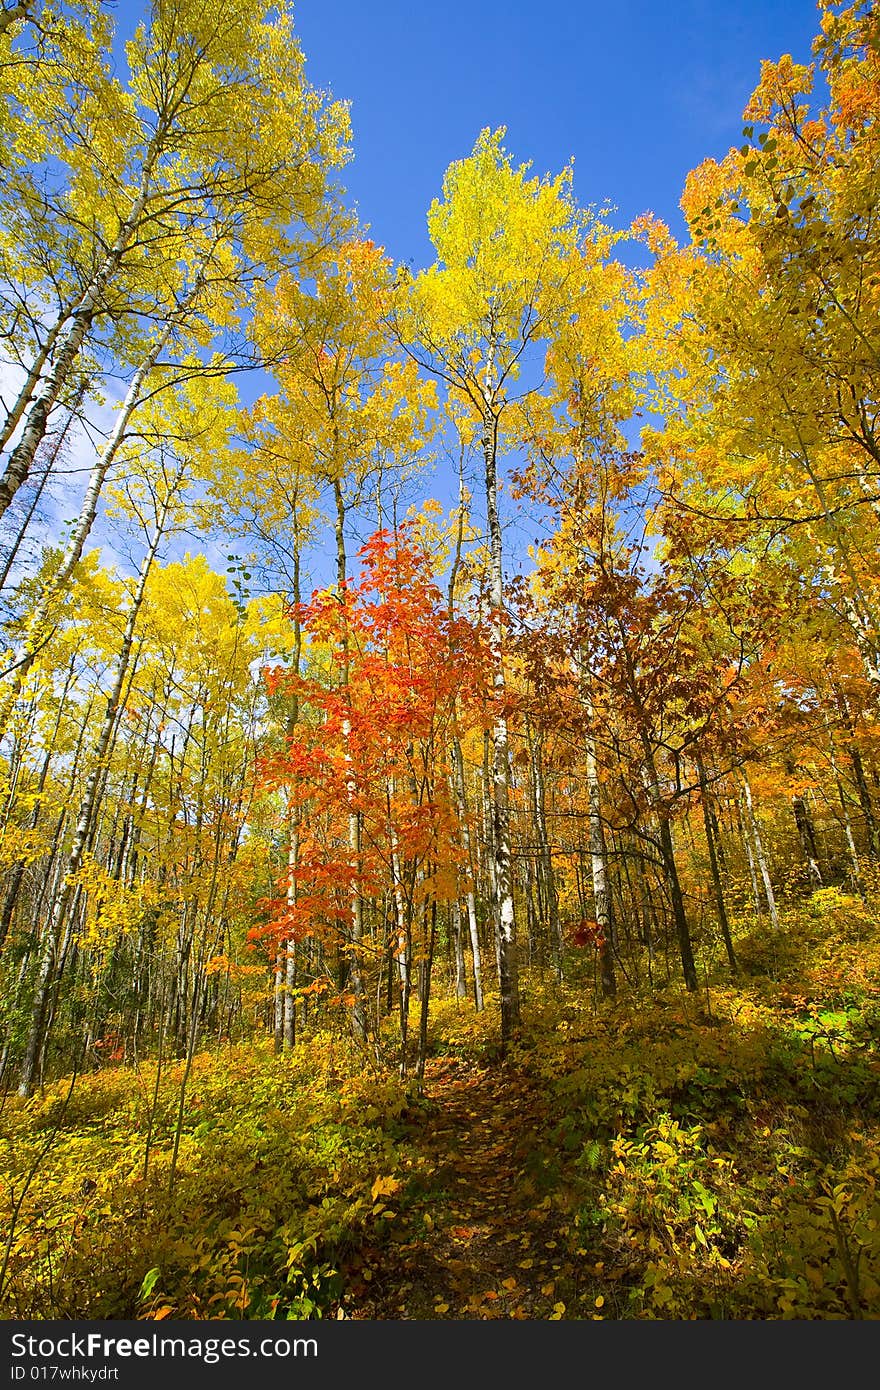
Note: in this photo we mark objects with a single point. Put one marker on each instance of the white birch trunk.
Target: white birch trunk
(461, 806)
(505, 919)
(73, 550)
(759, 851)
(67, 348)
(56, 926)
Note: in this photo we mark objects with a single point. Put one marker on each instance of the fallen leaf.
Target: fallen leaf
(384, 1187)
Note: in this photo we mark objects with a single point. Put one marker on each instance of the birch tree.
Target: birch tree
(475, 319)
(215, 141)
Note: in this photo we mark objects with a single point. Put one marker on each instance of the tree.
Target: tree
(772, 311)
(376, 744)
(498, 287)
(208, 167)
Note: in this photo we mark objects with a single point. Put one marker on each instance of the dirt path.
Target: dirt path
(484, 1229)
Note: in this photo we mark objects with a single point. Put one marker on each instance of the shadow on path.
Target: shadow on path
(483, 1225)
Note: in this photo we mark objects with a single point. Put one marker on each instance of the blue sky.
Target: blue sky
(638, 91)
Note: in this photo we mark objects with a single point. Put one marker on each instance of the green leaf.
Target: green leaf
(149, 1282)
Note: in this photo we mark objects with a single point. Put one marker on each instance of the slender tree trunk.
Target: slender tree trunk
(488, 842)
(25, 395)
(759, 851)
(867, 806)
(49, 959)
(68, 345)
(39, 619)
(855, 869)
(855, 758)
(461, 988)
(356, 930)
(45, 472)
(458, 778)
(13, 887)
(286, 970)
(505, 920)
(291, 954)
(425, 967)
(602, 898)
(806, 833)
(750, 858)
(720, 906)
(546, 877)
(461, 803)
(406, 987)
(192, 1035)
(670, 868)
(402, 954)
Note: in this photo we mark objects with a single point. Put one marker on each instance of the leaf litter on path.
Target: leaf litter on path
(477, 1234)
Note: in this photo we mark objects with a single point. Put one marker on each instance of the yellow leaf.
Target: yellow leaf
(384, 1187)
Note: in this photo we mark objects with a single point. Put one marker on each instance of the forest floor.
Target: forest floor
(478, 1238)
(659, 1156)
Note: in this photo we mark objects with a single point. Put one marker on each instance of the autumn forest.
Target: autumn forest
(440, 761)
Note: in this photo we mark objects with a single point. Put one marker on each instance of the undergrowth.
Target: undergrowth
(280, 1170)
(713, 1156)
